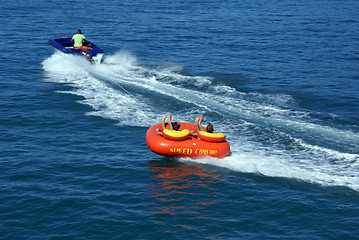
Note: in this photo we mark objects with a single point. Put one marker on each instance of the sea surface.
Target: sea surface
(280, 78)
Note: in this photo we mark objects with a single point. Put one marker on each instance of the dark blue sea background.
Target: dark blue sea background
(280, 78)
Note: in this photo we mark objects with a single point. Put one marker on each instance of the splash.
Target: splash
(267, 134)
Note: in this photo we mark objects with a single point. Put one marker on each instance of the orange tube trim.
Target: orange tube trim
(190, 147)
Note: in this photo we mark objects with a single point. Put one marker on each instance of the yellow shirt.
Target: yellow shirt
(78, 40)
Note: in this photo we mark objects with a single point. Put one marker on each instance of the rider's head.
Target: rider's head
(209, 128)
(175, 126)
(79, 31)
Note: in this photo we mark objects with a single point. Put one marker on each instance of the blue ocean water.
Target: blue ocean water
(278, 77)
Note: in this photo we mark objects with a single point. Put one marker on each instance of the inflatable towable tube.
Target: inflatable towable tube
(188, 147)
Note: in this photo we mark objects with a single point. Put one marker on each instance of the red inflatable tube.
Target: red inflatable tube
(190, 147)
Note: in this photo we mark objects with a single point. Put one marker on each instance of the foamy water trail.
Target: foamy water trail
(106, 101)
(121, 89)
